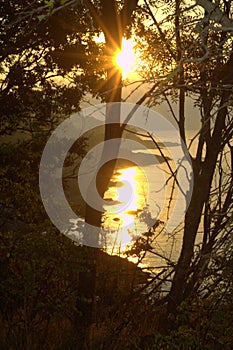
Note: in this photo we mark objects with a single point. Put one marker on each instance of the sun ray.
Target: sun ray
(126, 59)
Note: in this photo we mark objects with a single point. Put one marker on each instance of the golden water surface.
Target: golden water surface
(126, 198)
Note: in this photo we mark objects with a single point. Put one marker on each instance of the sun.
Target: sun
(126, 58)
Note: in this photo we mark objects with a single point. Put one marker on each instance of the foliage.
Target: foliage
(203, 324)
(45, 64)
(39, 266)
(39, 275)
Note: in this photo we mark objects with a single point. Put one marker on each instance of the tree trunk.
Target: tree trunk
(203, 176)
(87, 279)
(113, 24)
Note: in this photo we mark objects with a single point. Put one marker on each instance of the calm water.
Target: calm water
(135, 204)
(137, 197)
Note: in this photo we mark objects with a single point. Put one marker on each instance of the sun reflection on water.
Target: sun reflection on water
(126, 198)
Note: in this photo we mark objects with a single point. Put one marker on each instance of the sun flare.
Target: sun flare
(126, 58)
